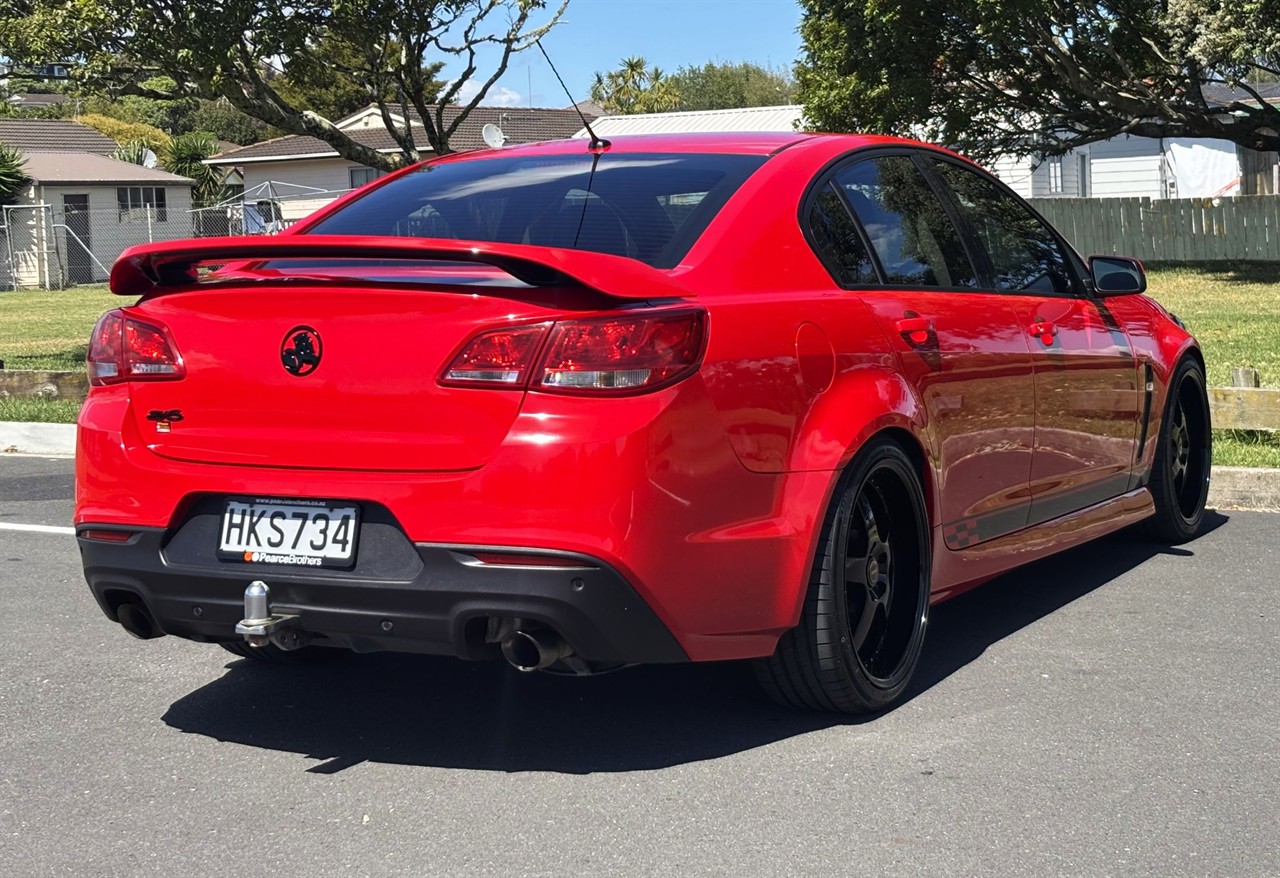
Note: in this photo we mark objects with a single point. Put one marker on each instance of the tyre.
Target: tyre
(1180, 474)
(863, 623)
(272, 654)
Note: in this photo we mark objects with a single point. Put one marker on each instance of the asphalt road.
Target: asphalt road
(1113, 711)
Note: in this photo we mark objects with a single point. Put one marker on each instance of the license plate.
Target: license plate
(302, 533)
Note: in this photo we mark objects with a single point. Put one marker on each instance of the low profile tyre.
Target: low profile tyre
(272, 654)
(863, 623)
(1180, 475)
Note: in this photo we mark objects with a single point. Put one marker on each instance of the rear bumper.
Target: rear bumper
(406, 598)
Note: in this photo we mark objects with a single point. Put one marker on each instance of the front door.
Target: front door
(1086, 376)
(75, 212)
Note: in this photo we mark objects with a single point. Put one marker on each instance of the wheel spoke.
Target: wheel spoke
(866, 619)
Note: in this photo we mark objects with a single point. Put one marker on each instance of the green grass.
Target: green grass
(46, 411)
(49, 329)
(1233, 310)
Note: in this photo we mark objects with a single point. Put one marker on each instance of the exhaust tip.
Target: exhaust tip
(529, 651)
(135, 618)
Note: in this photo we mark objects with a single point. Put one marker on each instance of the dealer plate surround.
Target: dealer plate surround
(289, 532)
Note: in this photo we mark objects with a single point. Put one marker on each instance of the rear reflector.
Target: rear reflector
(596, 355)
(107, 536)
(510, 559)
(127, 349)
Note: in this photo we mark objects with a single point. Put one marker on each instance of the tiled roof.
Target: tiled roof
(1223, 94)
(38, 100)
(58, 135)
(77, 167)
(519, 126)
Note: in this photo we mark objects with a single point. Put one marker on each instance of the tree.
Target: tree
(1038, 76)
(724, 86)
(221, 120)
(184, 155)
(228, 48)
(635, 87)
(328, 81)
(13, 175)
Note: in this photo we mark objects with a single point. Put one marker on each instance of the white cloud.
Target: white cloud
(498, 96)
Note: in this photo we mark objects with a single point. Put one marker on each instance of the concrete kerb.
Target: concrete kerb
(1233, 487)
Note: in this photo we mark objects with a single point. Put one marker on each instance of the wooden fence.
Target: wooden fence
(1246, 227)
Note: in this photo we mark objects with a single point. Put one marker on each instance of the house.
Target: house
(82, 207)
(1123, 166)
(289, 177)
(32, 101)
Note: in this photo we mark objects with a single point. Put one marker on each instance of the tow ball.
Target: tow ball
(260, 626)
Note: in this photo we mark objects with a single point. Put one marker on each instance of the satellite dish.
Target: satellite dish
(492, 135)
(149, 159)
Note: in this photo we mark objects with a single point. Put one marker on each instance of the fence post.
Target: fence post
(150, 240)
(1245, 378)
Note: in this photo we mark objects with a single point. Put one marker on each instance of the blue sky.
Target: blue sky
(598, 34)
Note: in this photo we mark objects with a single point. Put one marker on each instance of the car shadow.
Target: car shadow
(446, 713)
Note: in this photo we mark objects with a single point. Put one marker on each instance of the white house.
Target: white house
(295, 175)
(81, 207)
(1123, 166)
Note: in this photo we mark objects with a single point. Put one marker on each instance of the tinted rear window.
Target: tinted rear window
(650, 207)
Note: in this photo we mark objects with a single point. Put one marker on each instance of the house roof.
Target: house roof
(28, 99)
(782, 118)
(1224, 94)
(78, 167)
(56, 135)
(519, 126)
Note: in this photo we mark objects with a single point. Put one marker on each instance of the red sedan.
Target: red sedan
(681, 398)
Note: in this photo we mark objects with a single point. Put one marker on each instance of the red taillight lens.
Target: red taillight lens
(622, 354)
(502, 357)
(127, 349)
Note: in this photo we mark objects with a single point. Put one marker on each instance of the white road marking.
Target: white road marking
(38, 528)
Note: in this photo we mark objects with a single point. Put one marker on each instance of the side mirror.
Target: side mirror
(1117, 275)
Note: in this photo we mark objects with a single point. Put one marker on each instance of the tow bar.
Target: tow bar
(260, 626)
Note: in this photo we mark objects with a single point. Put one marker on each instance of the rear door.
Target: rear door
(1086, 376)
(960, 347)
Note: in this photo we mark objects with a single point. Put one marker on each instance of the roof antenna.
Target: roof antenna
(596, 142)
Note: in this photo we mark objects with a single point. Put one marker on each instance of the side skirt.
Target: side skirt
(956, 571)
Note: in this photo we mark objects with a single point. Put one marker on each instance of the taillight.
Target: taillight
(596, 355)
(500, 357)
(621, 354)
(125, 348)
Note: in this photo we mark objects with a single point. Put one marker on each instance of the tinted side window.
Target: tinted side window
(908, 227)
(834, 237)
(1024, 253)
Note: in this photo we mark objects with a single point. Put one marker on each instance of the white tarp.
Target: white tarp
(1202, 168)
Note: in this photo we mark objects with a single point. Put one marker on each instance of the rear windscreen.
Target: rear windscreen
(650, 207)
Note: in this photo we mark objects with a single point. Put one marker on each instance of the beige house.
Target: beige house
(82, 207)
(289, 177)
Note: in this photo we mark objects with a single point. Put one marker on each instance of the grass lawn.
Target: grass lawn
(1235, 312)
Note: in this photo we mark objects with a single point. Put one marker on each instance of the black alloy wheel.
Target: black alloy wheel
(863, 623)
(1180, 474)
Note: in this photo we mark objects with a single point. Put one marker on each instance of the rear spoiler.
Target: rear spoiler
(150, 268)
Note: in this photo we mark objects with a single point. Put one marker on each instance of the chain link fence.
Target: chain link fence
(43, 246)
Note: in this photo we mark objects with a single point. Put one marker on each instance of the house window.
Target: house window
(1055, 174)
(141, 199)
(359, 176)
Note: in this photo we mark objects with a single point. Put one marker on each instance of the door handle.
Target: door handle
(1045, 330)
(916, 330)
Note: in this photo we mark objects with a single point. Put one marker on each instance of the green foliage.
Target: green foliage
(1036, 75)
(13, 176)
(125, 132)
(221, 120)
(635, 87)
(184, 155)
(391, 49)
(135, 152)
(724, 86)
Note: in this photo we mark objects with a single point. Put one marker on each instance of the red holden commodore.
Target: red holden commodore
(665, 399)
